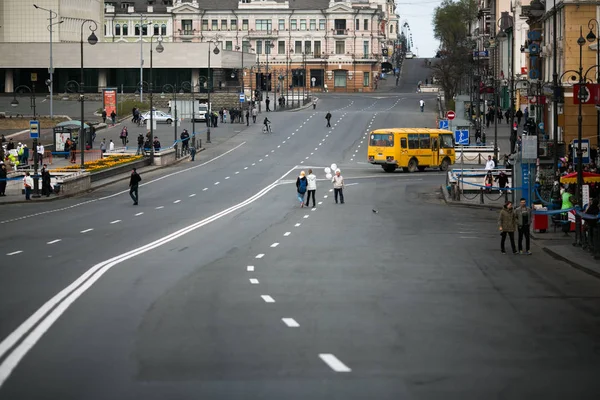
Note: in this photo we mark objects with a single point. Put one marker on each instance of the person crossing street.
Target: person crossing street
(328, 118)
(134, 182)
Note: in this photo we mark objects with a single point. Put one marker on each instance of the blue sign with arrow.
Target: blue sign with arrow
(461, 137)
(443, 124)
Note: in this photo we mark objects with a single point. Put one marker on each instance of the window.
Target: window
(307, 47)
(366, 49)
(382, 140)
(163, 30)
(244, 24)
(233, 24)
(204, 24)
(340, 47)
(282, 24)
(214, 24)
(366, 79)
(293, 25)
(446, 141)
(145, 29)
(156, 30)
(245, 46)
(413, 141)
(137, 30)
(298, 47)
(302, 24)
(223, 24)
(281, 47)
(268, 47)
(259, 47)
(391, 28)
(339, 78)
(228, 45)
(118, 30)
(317, 48)
(125, 30)
(313, 24)
(322, 24)
(340, 26)
(425, 141)
(186, 26)
(366, 24)
(357, 25)
(402, 140)
(263, 25)
(105, 28)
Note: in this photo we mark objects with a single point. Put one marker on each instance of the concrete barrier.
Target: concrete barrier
(165, 157)
(119, 169)
(74, 184)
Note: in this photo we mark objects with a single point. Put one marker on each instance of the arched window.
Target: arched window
(137, 30)
(125, 30)
(118, 29)
(163, 30)
(391, 28)
(145, 30)
(156, 30)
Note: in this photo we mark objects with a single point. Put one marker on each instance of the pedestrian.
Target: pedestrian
(124, 135)
(488, 181)
(490, 164)
(10, 145)
(328, 118)
(301, 185)
(254, 115)
(40, 153)
(311, 187)
(338, 186)
(103, 146)
(67, 148)
(506, 224)
(104, 115)
(140, 142)
(267, 102)
(247, 117)
(523, 215)
(46, 181)
(185, 141)
(134, 182)
(502, 180)
(526, 113)
(519, 115)
(507, 116)
(314, 105)
(28, 185)
(193, 153)
(113, 117)
(111, 146)
(3, 176)
(73, 150)
(156, 144)
(225, 113)
(3, 139)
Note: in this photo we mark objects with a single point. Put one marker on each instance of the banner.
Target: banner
(109, 101)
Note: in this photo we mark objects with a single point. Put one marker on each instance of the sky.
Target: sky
(419, 15)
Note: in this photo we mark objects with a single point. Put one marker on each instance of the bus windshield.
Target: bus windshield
(382, 140)
(446, 142)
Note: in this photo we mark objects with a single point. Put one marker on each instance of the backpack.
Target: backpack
(302, 186)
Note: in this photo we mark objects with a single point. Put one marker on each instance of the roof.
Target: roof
(160, 6)
(410, 130)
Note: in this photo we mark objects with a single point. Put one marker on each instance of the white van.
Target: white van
(409, 54)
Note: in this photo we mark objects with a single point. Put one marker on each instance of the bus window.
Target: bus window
(403, 142)
(446, 142)
(425, 141)
(382, 140)
(413, 141)
(434, 143)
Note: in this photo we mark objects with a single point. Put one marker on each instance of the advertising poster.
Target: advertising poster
(109, 99)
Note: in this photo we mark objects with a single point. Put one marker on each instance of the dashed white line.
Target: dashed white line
(306, 216)
(325, 196)
(261, 255)
(306, 158)
(216, 183)
(319, 203)
(87, 230)
(272, 151)
(334, 363)
(260, 160)
(138, 214)
(330, 190)
(275, 244)
(205, 189)
(237, 172)
(177, 201)
(288, 138)
(250, 268)
(254, 281)
(313, 209)
(298, 224)
(159, 207)
(54, 241)
(283, 142)
(290, 322)
(226, 177)
(253, 164)
(14, 253)
(287, 234)
(278, 146)
(116, 221)
(267, 298)
(192, 195)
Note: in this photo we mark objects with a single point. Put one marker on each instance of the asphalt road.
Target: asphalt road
(219, 286)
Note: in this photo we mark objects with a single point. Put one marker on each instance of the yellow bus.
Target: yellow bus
(411, 149)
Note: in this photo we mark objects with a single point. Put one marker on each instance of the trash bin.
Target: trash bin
(540, 222)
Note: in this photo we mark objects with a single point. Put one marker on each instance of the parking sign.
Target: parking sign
(461, 137)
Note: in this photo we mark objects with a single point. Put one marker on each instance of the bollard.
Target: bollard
(481, 201)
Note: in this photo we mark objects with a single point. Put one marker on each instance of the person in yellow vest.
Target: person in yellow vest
(567, 203)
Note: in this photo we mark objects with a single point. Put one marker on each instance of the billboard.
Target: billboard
(109, 100)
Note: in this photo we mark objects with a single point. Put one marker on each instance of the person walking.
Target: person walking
(134, 183)
(311, 187)
(104, 115)
(314, 106)
(422, 104)
(113, 117)
(193, 153)
(103, 146)
(40, 153)
(523, 216)
(254, 115)
(124, 135)
(140, 142)
(27, 184)
(519, 115)
(247, 117)
(111, 146)
(301, 185)
(506, 224)
(3, 175)
(46, 181)
(338, 186)
(267, 103)
(328, 118)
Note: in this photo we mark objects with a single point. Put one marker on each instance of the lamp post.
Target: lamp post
(188, 85)
(14, 103)
(141, 88)
(159, 49)
(590, 38)
(209, 83)
(268, 48)
(168, 88)
(92, 39)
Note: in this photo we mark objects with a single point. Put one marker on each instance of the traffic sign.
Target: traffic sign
(450, 115)
(242, 97)
(585, 149)
(461, 137)
(34, 129)
(443, 124)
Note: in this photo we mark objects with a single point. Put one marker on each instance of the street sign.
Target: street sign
(585, 194)
(461, 137)
(585, 148)
(443, 124)
(586, 94)
(34, 77)
(242, 97)
(450, 115)
(34, 129)
(530, 148)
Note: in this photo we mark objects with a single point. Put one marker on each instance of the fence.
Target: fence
(456, 180)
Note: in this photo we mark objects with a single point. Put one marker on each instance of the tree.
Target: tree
(451, 26)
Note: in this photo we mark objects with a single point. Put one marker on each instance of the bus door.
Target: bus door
(424, 149)
(435, 150)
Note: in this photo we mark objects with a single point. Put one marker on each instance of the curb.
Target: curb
(453, 203)
(301, 108)
(573, 264)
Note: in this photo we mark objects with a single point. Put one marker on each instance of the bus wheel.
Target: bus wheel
(413, 165)
(388, 168)
(445, 164)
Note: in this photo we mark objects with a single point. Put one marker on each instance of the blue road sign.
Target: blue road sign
(526, 181)
(443, 124)
(242, 97)
(461, 137)
(585, 148)
(34, 129)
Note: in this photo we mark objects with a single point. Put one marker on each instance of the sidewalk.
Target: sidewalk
(561, 248)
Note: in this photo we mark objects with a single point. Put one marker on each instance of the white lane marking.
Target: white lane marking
(312, 154)
(306, 158)
(290, 322)
(302, 162)
(245, 167)
(283, 142)
(14, 253)
(266, 155)
(330, 190)
(267, 298)
(116, 221)
(216, 183)
(325, 196)
(177, 201)
(319, 203)
(313, 209)
(54, 241)
(275, 244)
(87, 230)
(237, 172)
(33, 328)
(288, 138)
(192, 195)
(226, 177)
(250, 268)
(333, 363)
(253, 164)
(278, 146)
(126, 191)
(306, 216)
(205, 189)
(316, 148)
(287, 234)
(159, 207)
(326, 135)
(261, 255)
(298, 224)
(260, 160)
(351, 184)
(254, 281)
(138, 214)
(272, 151)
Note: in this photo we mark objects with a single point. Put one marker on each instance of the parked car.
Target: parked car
(158, 116)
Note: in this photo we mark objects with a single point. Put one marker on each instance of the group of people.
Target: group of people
(519, 220)
(113, 116)
(306, 185)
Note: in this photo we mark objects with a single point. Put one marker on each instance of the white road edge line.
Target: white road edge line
(33, 328)
(290, 322)
(14, 253)
(333, 363)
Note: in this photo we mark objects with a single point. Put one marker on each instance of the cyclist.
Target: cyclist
(422, 104)
(267, 127)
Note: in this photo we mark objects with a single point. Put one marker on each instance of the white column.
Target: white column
(195, 77)
(102, 79)
(8, 81)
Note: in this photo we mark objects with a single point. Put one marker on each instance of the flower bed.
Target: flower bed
(104, 163)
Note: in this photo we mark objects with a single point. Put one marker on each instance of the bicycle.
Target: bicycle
(267, 129)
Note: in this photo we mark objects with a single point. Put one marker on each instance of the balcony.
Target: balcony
(340, 32)
(186, 33)
(266, 34)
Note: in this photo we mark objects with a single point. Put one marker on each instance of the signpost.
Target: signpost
(461, 137)
(585, 148)
(242, 97)
(450, 115)
(34, 131)
(443, 124)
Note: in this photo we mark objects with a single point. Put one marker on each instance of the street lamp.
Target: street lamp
(15, 103)
(590, 38)
(168, 88)
(187, 85)
(92, 39)
(208, 83)
(268, 47)
(159, 49)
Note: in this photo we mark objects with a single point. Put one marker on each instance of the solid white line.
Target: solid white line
(254, 281)
(126, 191)
(192, 195)
(275, 244)
(14, 253)
(298, 224)
(159, 207)
(334, 363)
(250, 268)
(290, 322)
(261, 255)
(116, 221)
(177, 201)
(287, 234)
(34, 327)
(267, 298)
(87, 230)
(138, 214)
(54, 241)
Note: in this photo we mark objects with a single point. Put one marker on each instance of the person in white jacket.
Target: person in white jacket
(338, 186)
(311, 187)
(490, 164)
(111, 146)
